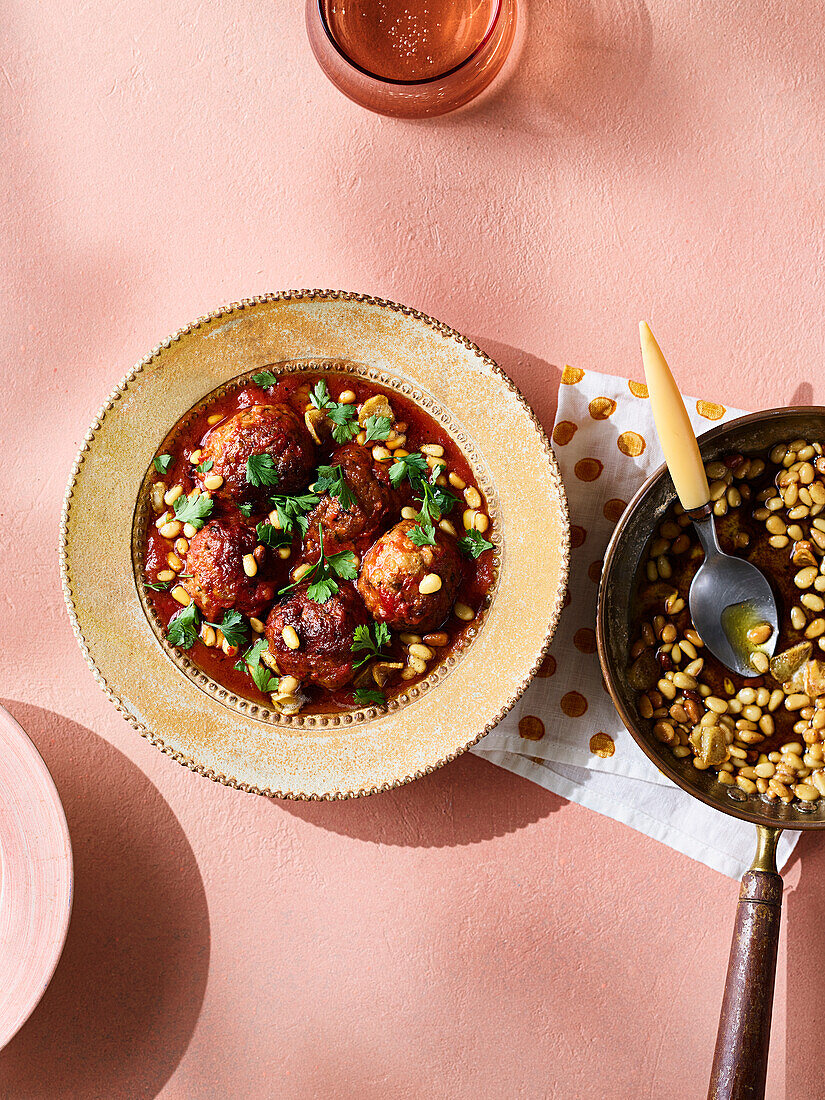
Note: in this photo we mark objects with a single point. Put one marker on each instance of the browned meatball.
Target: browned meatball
(218, 581)
(392, 570)
(356, 527)
(275, 430)
(325, 632)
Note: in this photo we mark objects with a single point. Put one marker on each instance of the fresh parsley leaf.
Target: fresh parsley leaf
(246, 509)
(162, 463)
(233, 627)
(320, 590)
(159, 586)
(320, 395)
(273, 536)
(331, 480)
(265, 378)
(344, 422)
(377, 427)
(252, 658)
(205, 467)
(260, 470)
(292, 511)
(474, 544)
(408, 466)
(344, 565)
(263, 679)
(193, 511)
(371, 639)
(366, 695)
(183, 628)
(423, 534)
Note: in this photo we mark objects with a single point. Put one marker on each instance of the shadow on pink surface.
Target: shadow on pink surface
(805, 998)
(120, 1011)
(538, 380)
(465, 802)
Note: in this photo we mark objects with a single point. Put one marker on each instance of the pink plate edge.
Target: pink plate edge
(36, 877)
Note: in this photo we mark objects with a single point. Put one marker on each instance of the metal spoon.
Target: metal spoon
(729, 597)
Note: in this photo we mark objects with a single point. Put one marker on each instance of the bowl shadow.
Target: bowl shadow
(466, 802)
(123, 1003)
(805, 1001)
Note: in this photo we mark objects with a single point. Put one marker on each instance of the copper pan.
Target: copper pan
(741, 1056)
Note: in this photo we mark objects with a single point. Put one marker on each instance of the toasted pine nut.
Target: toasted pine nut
(760, 661)
(760, 633)
(250, 566)
(469, 519)
(189, 530)
(408, 673)
(274, 519)
(456, 481)
(214, 481)
(181, 545)
(300, 571)
(463, 612)
(288, 685)
(448, 529)
(156, 495)
(805, 577)
(195, 457)
(433, 449)
(290, 637)
(409, 513)
(346, 397)
(418, 665)
(208, 636)
(381, 454)
(430, 583)
(472, 497)
(481, 522)
(410, 639)
(422, 651)
(181, 595)
(172, 495)
(806, 792)
(174, 562)
(256, 624)
(172, 529)
(394, 444)
(284, 552)
(166, 575)
(438, 639)
(402, 452)
(214, 418)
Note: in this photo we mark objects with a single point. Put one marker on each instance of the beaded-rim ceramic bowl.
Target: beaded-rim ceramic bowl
(167, 698)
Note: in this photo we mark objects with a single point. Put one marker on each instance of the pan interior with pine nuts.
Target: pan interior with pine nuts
(750, 746)
(452, 694)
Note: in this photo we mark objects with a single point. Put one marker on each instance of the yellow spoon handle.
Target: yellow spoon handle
(673, 426)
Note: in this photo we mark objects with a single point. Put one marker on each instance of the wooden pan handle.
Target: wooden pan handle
(740, 1061)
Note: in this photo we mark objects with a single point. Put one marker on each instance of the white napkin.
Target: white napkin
(606, 445)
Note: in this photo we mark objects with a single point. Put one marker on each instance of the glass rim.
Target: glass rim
(422, 81)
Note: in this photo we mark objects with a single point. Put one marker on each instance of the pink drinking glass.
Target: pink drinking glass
(411, 58)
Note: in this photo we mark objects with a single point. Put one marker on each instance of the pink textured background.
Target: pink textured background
(470, 935)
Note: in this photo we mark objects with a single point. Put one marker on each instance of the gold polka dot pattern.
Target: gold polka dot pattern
(631, 444)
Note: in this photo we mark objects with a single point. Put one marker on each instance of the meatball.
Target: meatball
(354, 527)
(325, 630)
(392, 570)
(218, 581)
(275, 430)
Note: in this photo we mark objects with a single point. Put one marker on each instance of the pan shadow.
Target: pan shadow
(123, 1003)
(465, 802)
(805, 1000)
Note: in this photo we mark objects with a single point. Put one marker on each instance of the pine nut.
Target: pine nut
(189, 530)
(409, 513)
(381, 454)
(805, 577)
(174, 562)
(456, 481)
(171, 529)
(181, 545)
(481, 522)
(798, 618)
(815, 629)
(422, 651)
(300, 571)
(429, 584)
(760, 633)
(290, 637)
(346, 397)
(166, 575)
(417, 665)
(434, 449)
(760, 661)
(156, 495)
(472, 497)
(745, 785)
(214, 481)
(288, 685)
(250, 566)
(181, 595)
(172, 495)
(195, 457)
(394, 444)
(463, 612)
(469, 519)
(208, 636)
(796, 701)
(214, 418)
(766, 770)
(256, 624)
(284, 552)
(448, 529)
(440, 638)
(718, 706)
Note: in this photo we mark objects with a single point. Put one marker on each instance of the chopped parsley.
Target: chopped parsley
(265, 378)
(162, 463)
(183, 628)
(367, 695)
(246, 509)
(205, 467)
(377, 427)
(436, 501)
(292, 511)
(194, 511)
(320, 395)
(413, 467)
(372, 640)
(423, 534)
(331, 480)
(233, 627)
(474, 544)
(261, 470)
(272, 536)
(344, 421)
(321, 577)
(251, 662)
